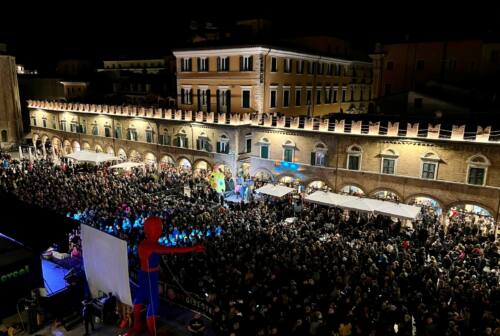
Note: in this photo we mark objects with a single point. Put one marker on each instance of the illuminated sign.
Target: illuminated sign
(16, 274)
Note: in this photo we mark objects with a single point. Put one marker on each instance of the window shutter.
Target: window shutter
(227, 148)
(190, 64)
(250, 63)
(199, 100)
(297, 66)
(313, 158)
(228, 101)
(241, 63)
(218, 63)
(182, 96)
(208, 100)
(186, 142)
(198, 61)
(325, 160)
(198, 144)
(190, 96)
(218, 101)
(218, 147)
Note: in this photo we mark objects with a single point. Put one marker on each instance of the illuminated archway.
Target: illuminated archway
(150, 159)
(122, 154)
(135, 156)
(184, 163)
(429, 203)
(471, 218)
(315, 185)
(352, 190)
(76, 146)
(67, 147)
(86, 146)
(166, 161)
(110, 150)
(386, 194)
(98, 149)
(202, 165)
(264, 175)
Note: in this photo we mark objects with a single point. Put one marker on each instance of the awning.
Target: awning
(387, 208)
(127, 165)
(93, 157)
(274, 190)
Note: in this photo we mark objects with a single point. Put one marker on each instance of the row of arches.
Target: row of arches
(434, 205)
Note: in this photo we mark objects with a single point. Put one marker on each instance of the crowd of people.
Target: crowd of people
(275, 268)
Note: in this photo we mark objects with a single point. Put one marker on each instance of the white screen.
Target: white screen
(106, 264)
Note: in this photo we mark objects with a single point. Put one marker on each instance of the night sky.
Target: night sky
(42, 33)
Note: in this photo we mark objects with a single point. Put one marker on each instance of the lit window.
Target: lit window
(477, 169)
(354, 155)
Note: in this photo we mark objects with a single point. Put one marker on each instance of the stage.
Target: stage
(53, 277)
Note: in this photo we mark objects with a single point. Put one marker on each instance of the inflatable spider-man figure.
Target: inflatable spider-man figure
(149, 255)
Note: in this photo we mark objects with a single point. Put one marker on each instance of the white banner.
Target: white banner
(105, 260)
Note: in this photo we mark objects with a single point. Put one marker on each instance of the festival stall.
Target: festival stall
(274, 190)
(376, 206)
(84, 156)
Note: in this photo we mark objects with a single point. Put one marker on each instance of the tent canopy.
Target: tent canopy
(127, 165)
(93, 157)
(364, 204)
(274, 190)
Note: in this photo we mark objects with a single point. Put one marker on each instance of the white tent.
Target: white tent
(127, 165)
(274, 190)
(92, 157)
(364, 204)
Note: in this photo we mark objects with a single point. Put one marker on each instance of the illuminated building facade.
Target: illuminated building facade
(267, 79)
(446, 168)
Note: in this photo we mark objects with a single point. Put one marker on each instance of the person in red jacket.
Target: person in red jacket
(149, 254)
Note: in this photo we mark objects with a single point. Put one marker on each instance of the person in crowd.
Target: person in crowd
(328, 272)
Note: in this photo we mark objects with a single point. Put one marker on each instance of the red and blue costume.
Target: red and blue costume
(149, 254)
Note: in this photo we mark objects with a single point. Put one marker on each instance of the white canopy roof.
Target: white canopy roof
(274, 190)
(89, 156)
(364, 204)
(127, 165)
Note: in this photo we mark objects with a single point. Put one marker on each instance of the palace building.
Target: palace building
(267, 79)
(446, 169)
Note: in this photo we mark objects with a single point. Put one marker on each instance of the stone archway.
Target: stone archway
(470, 217)
(122, 154)
(386, 194)
(76, 146)
(184, 163)
(352, 189)
(430, 203)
